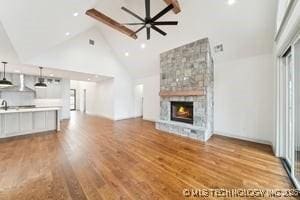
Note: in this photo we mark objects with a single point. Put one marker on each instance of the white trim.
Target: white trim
(97, 115)
(124, 118)
(149, 119)
(243, 138)
(285, 18)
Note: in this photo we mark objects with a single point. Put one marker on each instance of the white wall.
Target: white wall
(105, 98)
(18, 98)
(99, 97)
(151, 104)
(245, 99)
(77, 55)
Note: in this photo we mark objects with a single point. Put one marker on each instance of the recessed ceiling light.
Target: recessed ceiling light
(17, 71)
(51, 74)
(127, 54)
(231, 2)
(89, 79)
(143, 46)
(67, 33)
(75, 14)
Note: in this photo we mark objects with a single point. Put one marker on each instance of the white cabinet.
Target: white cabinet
(11, 124)
(1, 127)
(52, 91)
(22, 123)
(51, 120)
(26, 122)
(39, 120)
(41, 93)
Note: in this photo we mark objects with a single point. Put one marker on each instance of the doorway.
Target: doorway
(138, 100)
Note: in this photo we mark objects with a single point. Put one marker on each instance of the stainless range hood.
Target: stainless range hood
(19, 85)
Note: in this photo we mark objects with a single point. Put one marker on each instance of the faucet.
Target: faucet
(4, 103)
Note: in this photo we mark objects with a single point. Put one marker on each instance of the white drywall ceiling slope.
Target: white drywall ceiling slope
(246, 28)
(7, 51)
(34, 26)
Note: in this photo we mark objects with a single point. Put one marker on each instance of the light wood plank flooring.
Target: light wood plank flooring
(95, 158)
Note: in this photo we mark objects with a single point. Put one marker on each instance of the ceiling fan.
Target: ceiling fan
(151, 22)
(148, 22)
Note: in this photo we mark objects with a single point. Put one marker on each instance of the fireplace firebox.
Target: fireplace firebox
(182, 112)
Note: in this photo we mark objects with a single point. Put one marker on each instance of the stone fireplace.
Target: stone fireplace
(186, 91)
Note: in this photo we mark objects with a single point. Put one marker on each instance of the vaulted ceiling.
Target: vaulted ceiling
(245, 29)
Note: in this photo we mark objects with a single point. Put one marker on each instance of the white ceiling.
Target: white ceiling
(245, 28)
(36, 25)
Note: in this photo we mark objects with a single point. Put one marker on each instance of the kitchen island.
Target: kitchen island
(16, 122)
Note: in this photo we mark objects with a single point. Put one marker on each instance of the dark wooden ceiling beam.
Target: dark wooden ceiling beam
(110, 22)
(176, 5)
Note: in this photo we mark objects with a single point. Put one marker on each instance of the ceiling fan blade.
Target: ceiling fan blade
(165, 23)
(133, 14)
(159, 30)
(163, 12)
(140, 29)
(148, 33)
(110, 22)
(147, 7)
(133, 24)
(176, 5)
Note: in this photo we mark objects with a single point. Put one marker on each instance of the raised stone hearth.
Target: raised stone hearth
(187, 76)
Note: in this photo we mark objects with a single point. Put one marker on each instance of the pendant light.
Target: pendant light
(40, 83)
(5, 83)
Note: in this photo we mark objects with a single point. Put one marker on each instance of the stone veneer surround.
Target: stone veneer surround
(188, 68)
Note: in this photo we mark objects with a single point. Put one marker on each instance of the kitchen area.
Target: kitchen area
(35, 99)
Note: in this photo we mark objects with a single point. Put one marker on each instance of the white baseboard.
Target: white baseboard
(97, 115)
(124, 118)
(243, 138)
(149, 119)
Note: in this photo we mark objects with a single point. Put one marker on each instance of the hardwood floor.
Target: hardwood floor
(94, 158)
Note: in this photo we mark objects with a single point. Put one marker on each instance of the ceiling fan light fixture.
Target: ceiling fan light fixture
(151, 22)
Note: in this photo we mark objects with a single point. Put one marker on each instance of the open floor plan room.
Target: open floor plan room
(95, 158)
(149, 99)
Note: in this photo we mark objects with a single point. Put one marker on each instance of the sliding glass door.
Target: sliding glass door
(296, 55)
(289, 111)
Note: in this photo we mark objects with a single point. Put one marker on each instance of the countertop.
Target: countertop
(29, 110)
